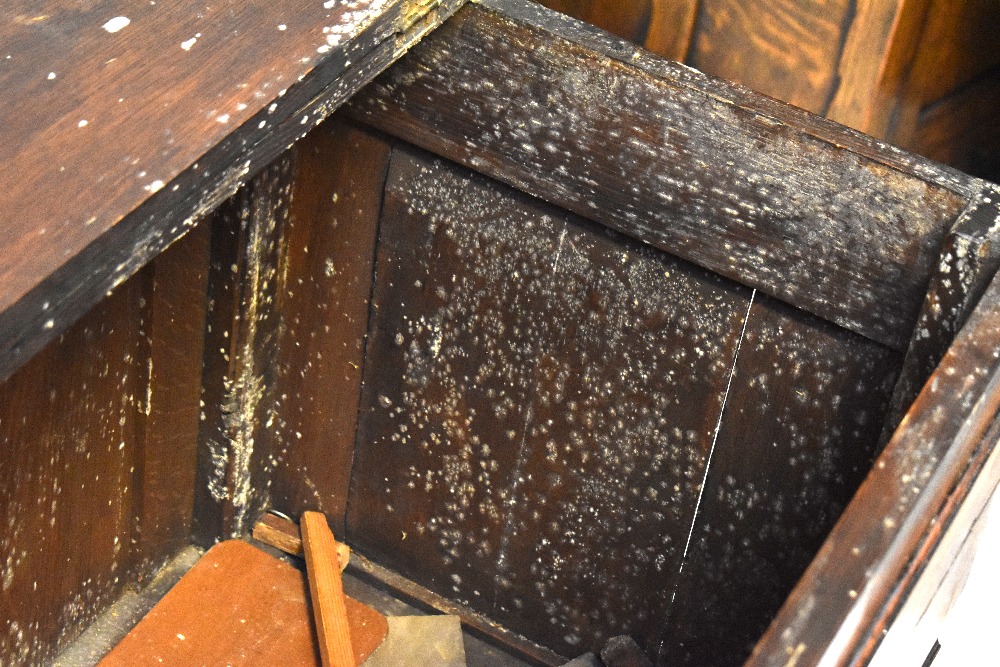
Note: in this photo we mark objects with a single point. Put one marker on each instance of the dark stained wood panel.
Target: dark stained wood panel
(805, 211)
(540, 399)
(113, 143)
(235, 452)
(788, 49)
(847, 598)
(175, 334)
(799, 432)
(70, 436)
(324, 301)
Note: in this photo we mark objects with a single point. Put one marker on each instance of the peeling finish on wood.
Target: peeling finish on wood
(857, 582)
(777, 206)
(143, 202)
(240, 350)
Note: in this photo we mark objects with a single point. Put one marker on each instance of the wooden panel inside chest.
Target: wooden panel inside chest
(620, 378)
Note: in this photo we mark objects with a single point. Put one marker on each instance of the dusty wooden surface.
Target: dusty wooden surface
(238, 606)
(730, 181)
(241, 346)
(579, 436)
(919, 73)
(326, 284)
(167, 115)
(490, 409)
(96, 480)
(799, 433)
(969, 259)
(877, 551)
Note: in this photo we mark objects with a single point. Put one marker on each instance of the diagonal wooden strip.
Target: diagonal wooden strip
(326, 591)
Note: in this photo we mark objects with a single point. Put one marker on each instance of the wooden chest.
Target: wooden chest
(572, 340)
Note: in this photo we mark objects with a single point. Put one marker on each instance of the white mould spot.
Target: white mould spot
(155, 186)
(51, 76)
(187, 44)
(282, 27)
(224, 118)
(116, 24)
(83, 123)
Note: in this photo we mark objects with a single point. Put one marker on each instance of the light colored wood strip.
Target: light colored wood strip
(285, 535)
(327, 591)
(879, 47)
(671, 28)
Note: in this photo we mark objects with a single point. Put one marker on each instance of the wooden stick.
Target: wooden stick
(327, 591)
(284, 534)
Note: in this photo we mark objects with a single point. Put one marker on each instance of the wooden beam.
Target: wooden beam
(807, 211)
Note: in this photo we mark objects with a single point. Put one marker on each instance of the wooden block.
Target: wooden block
(285, 535)
(327, 591)
(239, 606)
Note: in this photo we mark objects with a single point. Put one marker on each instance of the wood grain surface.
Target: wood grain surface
(540, 398)
(708, 172)
(99, 433)
(167, 115)
(326, 592)
(238, 606)
(580, 437)
(235, 452)
(71, 435)
(851, 591)
(671, 28)
(969, 260)
(628, 20)
(175, 333)
(799, 433)
(326, 274)
(789, 49)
